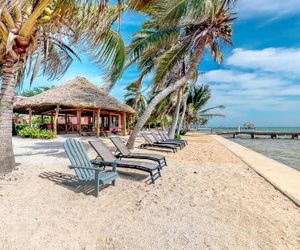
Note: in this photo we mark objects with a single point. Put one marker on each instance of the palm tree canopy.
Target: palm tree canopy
(175, 29)
(43, 34)
(198, 97)
(135, 98)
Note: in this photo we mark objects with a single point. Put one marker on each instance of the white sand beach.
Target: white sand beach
(207, 198)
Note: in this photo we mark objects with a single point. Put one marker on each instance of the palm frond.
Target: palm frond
(176, 11)
(168, 60)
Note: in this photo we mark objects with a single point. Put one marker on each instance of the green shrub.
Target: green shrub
(37, 120)
(36, 133)
(20, 126)
(177, 137)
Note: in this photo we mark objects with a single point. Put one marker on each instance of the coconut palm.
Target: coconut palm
(42, 34)
(198, 23)
(34, 91)
(135, 98)
(195, 113)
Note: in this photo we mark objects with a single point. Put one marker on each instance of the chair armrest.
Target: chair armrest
(88, 168)
(106, 163)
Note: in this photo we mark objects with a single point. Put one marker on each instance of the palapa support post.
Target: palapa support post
(98, 123)
(55, 120)
(30, 117)
(66, 123)
(51, 120)
(79, 121)
(124, 129)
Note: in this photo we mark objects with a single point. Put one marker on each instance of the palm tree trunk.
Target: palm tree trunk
(179, 129)
(175, 115)
(9, 81)
(165, 92)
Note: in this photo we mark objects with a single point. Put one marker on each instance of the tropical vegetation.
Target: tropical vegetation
(44, 35)
(36, 133)
(193, 109)
(173, 41)
(34, 91)
(41, 35)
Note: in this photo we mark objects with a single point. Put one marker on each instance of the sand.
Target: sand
(207, 198)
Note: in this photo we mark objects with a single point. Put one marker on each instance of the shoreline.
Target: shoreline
(284, 178)
(206, 198)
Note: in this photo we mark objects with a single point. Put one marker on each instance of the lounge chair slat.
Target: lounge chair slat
(120, 145)
(105, 154)
(166, 137)
(83, 167)
(177, 144)
(69, 148)
(80, 159)
(126, 153)
(150, 143)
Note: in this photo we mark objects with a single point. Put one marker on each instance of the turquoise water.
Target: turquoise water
(259, 129)
(284, 150)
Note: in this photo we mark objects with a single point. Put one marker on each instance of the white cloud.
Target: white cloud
(276, 60)
(258, 82)
(268, 8)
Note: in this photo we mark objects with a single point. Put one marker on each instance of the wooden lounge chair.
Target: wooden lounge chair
(124, 152)
(164, 136)
(158, 140)
(151, 143)
(86, 170)
(106, 155)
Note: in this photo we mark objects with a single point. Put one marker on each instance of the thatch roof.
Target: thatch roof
(76, 93)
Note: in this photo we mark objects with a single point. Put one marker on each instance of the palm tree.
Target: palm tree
(197, 99)
(41, 34)
(135, 98)
(34, 91)
(198, 24)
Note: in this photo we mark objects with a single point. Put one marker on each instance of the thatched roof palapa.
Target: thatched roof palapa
(76, 93)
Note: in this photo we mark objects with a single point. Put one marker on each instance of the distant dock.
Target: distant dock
(256, 134)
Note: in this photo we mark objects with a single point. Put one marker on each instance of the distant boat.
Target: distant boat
(249, 125)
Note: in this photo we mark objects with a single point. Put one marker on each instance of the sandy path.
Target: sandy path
(207, 198)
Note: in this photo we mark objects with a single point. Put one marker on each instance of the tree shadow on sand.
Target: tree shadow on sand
(43, 148)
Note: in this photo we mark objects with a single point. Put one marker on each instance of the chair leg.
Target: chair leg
(97, 187)
(160, 165)
(159, 172)
(113, 182)
(152, 179)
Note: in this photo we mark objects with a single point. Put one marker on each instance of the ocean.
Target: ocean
(284, 150)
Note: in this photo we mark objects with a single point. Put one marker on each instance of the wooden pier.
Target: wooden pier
(255, 134)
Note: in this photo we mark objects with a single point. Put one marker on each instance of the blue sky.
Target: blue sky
(259, 80)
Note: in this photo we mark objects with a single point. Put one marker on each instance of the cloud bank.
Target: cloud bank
(268, 8)
(265, 80)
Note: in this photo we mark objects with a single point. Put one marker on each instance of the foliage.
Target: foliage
(176, 30)
(198, 97)
(34, 91)
(177, 137)
(135, 98)
(21, 126)
(37, 120)
(43, 35)
(36, 133)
